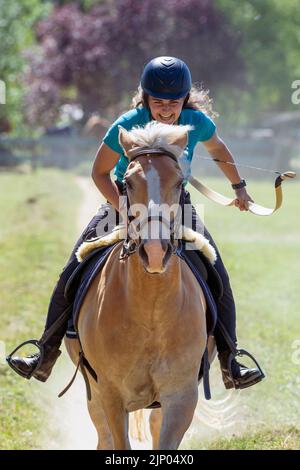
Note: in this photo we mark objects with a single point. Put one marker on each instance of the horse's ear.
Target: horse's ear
(125, 139)
(180, 140)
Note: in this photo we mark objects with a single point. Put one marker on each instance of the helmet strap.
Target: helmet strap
(186, 100)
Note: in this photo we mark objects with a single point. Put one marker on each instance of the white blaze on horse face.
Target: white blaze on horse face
(153, 188)
(153, 185)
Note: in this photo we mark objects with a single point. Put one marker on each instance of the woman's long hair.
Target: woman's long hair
(198, 99)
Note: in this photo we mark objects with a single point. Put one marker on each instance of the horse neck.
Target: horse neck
(143, 284)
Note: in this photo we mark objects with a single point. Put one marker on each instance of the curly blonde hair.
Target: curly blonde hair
(198, 99)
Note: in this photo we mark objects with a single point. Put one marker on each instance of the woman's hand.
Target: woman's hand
(242, 199)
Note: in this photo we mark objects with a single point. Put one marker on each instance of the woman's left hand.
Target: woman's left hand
(242, 199)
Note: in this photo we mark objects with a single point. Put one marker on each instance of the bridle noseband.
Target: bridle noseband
(130, 245)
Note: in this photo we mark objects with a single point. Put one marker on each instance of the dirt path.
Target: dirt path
(90, 203)
(70, 426)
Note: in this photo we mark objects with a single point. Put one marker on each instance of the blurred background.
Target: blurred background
(68, 69)
(71, 67)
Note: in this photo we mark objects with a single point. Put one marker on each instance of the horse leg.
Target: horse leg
(105, 439)
(155, 421)
(117, 419)
(94, 405)
(177, 414)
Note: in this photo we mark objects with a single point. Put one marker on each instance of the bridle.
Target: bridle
(131, 245)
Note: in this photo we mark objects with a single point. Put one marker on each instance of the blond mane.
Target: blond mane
(158, 135)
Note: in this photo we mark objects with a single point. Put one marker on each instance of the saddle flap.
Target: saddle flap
(85, 266)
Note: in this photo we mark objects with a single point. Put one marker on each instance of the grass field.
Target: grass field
(37, 231)
(262, 257)
(38, 214)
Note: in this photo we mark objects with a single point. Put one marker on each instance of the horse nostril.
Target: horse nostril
(169, 251)
(142, 253)
(155, 254)
(165, 245)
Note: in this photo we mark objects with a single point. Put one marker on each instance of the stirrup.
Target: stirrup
(41, 348)
(240, 353)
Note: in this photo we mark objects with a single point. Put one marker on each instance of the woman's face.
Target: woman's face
(166, 111)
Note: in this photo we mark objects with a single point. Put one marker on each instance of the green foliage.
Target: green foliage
(270, 45)
(16, 34)
(92, 58)
(255, 79)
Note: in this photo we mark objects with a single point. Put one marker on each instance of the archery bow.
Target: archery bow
(253, 207)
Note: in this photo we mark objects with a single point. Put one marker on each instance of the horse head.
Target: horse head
(154, 187)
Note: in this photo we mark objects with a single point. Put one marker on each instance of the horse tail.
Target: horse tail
(138, 426)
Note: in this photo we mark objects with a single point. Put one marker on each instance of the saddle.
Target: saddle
(93, 255)
(81, 279)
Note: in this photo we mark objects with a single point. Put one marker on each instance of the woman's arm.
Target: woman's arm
(105, 160)
(217, 149)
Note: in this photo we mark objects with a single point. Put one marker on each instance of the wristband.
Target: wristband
(239, 185)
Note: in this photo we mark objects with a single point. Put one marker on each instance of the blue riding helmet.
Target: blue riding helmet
(166, 78)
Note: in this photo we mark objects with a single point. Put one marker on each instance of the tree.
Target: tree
(96, 57)
(17, 19)
(270, 45)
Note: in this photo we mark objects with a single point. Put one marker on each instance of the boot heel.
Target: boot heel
(227, 382)
(228, 385)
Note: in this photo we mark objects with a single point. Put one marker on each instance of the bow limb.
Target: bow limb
(253, 207)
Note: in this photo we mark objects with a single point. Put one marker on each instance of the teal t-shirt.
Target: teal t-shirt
(204, 128)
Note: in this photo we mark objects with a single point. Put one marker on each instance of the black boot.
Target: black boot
(38, 365)
(236, 375)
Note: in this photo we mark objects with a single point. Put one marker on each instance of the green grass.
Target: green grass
(37, 231)
(264, 439)
(262, 257)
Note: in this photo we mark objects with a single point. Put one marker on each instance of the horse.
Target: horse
(142, 324)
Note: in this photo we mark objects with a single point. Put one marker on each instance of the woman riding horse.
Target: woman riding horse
(166, 95)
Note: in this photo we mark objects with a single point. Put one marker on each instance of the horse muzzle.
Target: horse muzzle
(155, 255)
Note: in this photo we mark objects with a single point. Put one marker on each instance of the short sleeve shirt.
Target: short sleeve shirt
(204, 128)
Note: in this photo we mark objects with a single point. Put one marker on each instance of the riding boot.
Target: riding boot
(40, 365)
(236, 375)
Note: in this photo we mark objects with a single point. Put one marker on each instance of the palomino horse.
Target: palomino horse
(142, 324)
